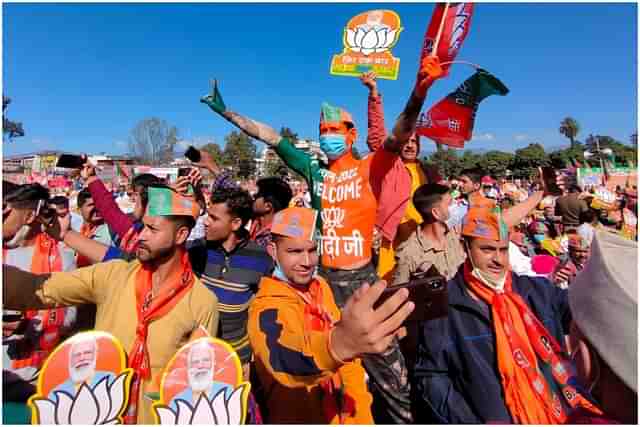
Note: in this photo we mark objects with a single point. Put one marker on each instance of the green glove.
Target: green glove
(214, 100)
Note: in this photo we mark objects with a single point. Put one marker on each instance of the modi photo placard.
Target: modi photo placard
(202, 384)
(85, 380)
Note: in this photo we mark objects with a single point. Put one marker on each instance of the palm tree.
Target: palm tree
(570, 128)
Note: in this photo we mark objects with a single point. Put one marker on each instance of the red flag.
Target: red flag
(454, 30)
(451, 120)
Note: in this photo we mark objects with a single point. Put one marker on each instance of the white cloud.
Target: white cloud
(484, 137)
(521, 137)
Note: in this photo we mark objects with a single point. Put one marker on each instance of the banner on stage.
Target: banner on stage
(368, 39)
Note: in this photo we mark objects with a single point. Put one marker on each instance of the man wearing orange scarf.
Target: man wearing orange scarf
(498, 356)
(307, 350)
(29, 337)
(93, 225)
(151, 305)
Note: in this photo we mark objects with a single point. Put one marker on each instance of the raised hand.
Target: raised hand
(369, 80)
(214, 100)
(430, 71)
(363, 329)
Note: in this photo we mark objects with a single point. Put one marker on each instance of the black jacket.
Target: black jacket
(456, 378)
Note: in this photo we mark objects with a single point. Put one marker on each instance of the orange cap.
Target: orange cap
(484, 223)
(298, 223)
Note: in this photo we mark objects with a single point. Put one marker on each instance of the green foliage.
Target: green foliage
(622, 153)
(239, 154)
(214, 150)
(528, 159)
(570, 128)
(10, 129)
(496, 163)
(446, 160)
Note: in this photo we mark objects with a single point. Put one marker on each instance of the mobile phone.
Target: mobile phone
(427, 291)
(548, 175)
(183, 172)
(193, 154)
(71, 161)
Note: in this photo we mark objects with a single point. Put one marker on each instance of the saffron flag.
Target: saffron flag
(451, 120)
(454, 31)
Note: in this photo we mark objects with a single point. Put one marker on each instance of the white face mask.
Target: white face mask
(495, 284)
(19, 238)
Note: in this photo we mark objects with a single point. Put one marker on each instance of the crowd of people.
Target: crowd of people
(313, 284)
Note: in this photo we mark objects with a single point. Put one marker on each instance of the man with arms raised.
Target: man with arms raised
(307, 351)
(347, 195)
(151, 305)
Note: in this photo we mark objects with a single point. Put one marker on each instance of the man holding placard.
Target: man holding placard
(350, 185)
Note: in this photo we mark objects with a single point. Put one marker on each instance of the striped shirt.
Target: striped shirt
(233, 277)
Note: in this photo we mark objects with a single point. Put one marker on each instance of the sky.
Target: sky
(82, 75)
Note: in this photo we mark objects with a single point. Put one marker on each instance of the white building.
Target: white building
(269, 154)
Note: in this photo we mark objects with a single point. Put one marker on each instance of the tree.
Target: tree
(570, 128)
(152, 140)
(528, 159)
(564, 158)
(215, 151)
(496, 163)
(240, 154)
(10, 129)
(622, 153)
(446, 160)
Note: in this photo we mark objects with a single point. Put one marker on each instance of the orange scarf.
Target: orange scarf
(46, 258)
(150, 308)
(316, 316)
(88, 231)
(521, 343)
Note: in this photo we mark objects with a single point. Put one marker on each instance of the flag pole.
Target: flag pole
(434, 50)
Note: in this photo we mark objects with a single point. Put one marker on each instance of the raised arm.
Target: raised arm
(254, 129)
(60, 230)
(376, 132)
(405, 125)
(118, 221)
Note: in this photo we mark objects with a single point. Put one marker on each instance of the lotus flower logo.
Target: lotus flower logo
(217, 411)
(102, 404)
(375, 35)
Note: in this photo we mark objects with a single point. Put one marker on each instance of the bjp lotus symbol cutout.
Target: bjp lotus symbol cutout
(368, 39)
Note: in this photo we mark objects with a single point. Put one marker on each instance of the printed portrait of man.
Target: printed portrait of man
(200, 375)
(83, 358)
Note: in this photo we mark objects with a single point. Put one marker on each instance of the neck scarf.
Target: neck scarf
(152, 307)
(521, 343)
(88, 231)
(46, 258)
(336, 401)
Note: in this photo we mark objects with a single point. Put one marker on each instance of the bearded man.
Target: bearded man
(347, 195)
(83, 358)
(151, 305)
(200, 375)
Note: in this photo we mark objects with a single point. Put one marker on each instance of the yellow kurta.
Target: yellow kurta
(408, 224)
(110, 286)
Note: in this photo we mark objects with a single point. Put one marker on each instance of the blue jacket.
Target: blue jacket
(456, 378)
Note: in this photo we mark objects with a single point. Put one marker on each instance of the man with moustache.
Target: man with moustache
(498, 357)
(151, 305)
(200, 372)
(308, 352)
(93, 225)
(83, 358)
(30, 335)
(347, 194)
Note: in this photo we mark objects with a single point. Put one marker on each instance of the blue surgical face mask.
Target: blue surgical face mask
(333, 145)
(279, 274)
(538, 238)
